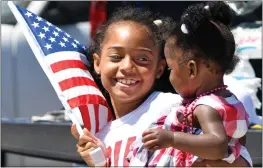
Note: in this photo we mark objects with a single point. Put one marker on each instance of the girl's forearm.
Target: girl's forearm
(206, 146)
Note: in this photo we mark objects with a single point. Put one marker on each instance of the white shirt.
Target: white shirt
(120, 133)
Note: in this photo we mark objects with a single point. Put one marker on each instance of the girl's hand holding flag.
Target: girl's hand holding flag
(87, 143)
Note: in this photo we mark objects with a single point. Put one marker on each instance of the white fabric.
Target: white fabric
(134, 123)
(243, 152)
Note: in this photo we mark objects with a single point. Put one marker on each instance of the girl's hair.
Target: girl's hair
(205, 29)
(160, 31)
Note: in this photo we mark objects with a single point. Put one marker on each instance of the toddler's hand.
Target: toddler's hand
(155, 139)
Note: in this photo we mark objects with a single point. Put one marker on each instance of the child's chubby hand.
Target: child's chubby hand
(155, 139)
(86, 144)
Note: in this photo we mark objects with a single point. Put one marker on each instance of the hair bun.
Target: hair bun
(220, 12)
(195, 15)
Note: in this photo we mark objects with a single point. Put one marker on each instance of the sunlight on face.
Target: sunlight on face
(124, 33)
(129, 62)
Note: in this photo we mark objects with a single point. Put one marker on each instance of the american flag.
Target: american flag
(64, 62)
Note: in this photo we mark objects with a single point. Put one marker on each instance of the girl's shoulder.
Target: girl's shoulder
(214, 100)
(164, 103)
(226, 106)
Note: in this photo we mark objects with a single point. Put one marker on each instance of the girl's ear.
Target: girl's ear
(161, 68)
(193, 70)
(96, 63)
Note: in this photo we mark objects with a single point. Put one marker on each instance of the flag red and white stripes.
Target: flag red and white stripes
(79, 89)
(64, 62)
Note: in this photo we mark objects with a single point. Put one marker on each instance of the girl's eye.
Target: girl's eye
(115, 57)
(143, 58)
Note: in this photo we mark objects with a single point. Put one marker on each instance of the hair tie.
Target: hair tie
(158, 22)
(185, 15)
(206, 7)
(184, 29)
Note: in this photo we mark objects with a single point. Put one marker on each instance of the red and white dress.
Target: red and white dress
(235, 120)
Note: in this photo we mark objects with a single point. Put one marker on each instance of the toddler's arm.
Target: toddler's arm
(212, 144)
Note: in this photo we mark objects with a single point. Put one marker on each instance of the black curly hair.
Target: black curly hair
(138, 15)
(205, 29)
(141, 16)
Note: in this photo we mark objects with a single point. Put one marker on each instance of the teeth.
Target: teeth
(132, 81)
(128, 81)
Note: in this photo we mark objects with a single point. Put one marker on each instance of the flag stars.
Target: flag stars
(65, 39)
(76, 41)
(48, 46)
(74, 45)
(52, 39)
(67, 35)
(39, 18)
(35, 24)
(49, 24)
(58, 29)
(62, 44)
(28, 14)
(45, 28)
(55, 33)
(41, 35)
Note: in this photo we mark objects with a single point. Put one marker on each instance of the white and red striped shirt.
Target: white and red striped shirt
(119, 134)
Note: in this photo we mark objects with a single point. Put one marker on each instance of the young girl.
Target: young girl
(198, 52)
(126, 57)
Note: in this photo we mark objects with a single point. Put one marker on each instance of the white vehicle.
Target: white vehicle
(26, 91)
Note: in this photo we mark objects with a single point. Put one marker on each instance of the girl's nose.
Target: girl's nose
(126, 64)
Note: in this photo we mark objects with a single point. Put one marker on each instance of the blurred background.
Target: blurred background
(35, 131)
